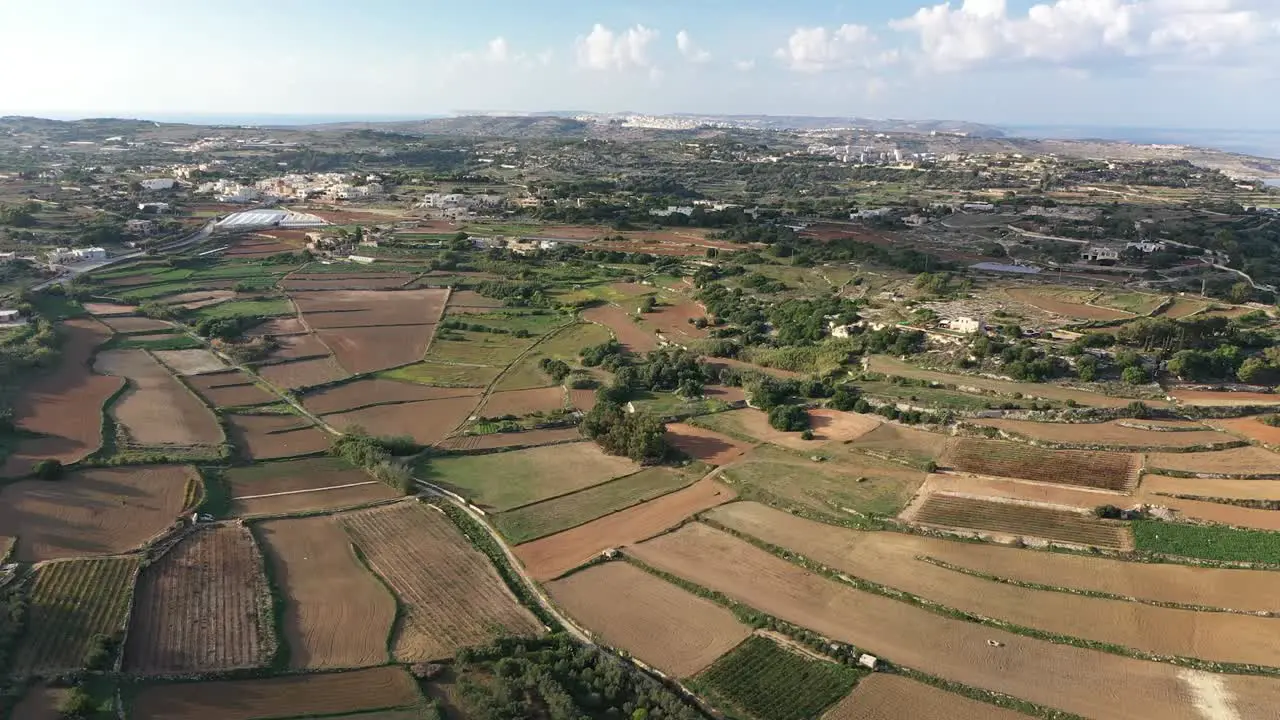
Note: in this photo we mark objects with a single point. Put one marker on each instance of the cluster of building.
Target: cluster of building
(687, 210)
(459, 206)
(66, 256)
(324, 186)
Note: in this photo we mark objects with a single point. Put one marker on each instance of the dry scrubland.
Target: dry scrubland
(281, 697)
(659, 623)
(203, 607)
(102, 511)
(337, 614)
(156, 409)
(450, 595)
(65, 405)
(1085, 682)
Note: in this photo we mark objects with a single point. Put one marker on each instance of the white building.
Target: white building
(672, 210)
(61, 256)
(979, 207)
(155, 184)
(139, 227)
(1145, 247)
(154, 207)
(1094, 253)
(872, 214)
(966, 325)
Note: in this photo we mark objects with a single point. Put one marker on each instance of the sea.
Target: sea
(1259, 143)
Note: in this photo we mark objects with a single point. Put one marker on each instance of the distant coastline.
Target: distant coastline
(1259, 143)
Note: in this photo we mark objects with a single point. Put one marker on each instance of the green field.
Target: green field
(248, 308)
(1136, 303)
(271, 470)
(430, 373)
(551, 516)
(507, 480)
(151, 292)
(514, 321)
(767, 682)
(564, 345)
(839, 487)
(476, 348)
(1207, 542)
(665, 404)
(177, 341)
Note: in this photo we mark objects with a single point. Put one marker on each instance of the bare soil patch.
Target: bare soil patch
(279, 326)
(1248, 460)
(366, 308)
(40, 703)
(337, 615)
(428, 421)
(1020, 490)
(553, 556)
(827, 425)
(1086, 682)
(302, 373)
(522, 402)
(280, 697)
(102, 511)
(288, 476)
(1209, 488)
(295, 347)
(230, 389)
(661, 624)
(136, 324)
(267, 437)
(471, 299)
(346, 282)
(377, 391)
(634, 337)
(892, 697)
(705, 445)
(65, 405)
(1115, 433)
(1224, 399)
(190, 362)
(368, 349)
(156, 409)
(451, 595)
(202, 607)
(108, 309)
(1250, 428)
(1080, 311)
(582, 400)
(199, 298)
(675, 321)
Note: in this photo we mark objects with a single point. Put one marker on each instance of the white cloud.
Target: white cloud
(498, 50)
(603, 49)
(689, 50)
(818, 50)
(1084, 31)
(744, 65)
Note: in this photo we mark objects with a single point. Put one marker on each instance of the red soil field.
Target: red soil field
(64, 405)
(230, 389)
(892, 697)
(1211, 398)
(1013, 520)
(634, 337)
(471, 298)
(705, 445)
(108, 309)
(522, 402)
(553, 556)
(156, 409)
(366, 308)
(302, 373)
(673, 321)
(1247, 461)
(200, 607)
(278, 326)
(280, 697)
(428, 421)
(267, 437)
(368, 349)
(1096, 469)
(293, 347)
(322, 500)
(1076, 680)
(102, 511)
(663, 625)
(1252, 429)
(1036, 298)
(258, 247)
(376, 391)
(528, 438)
(302, 283)
(1116, 433)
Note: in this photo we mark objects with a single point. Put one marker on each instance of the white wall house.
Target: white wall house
(154, 184)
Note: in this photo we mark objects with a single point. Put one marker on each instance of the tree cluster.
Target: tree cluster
(638, 436)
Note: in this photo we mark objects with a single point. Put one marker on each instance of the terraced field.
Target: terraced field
(72, 601)
(1019, 520)
(1083, 468)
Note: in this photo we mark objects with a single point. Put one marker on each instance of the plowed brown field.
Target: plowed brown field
(374, 391)
(267, 437)
(230, 389)
(337, 615)
(295, 696)
(156, 409)
(367, 308)
(705, 445)
(1244, 461)
(892, 559)
(367, 349)
(1251, 429)
(1114, 433)
(1085, 682)
(428, 421)
(202, 607)
(279, 326)
(370, 281)
(1224, 399)
(302, 373)
(632, 336)
(65, 406)
(663, 625)
(522, 402)
(1017, 520)
(295, 347)
(552, 556)
(1048, 303)
(451, 597)
(471, 299)
(893, 697)
(136, 324)
(102, 511)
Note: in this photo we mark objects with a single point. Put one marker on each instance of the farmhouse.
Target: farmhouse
(965, 325)
(155, 184)
(1100, 255)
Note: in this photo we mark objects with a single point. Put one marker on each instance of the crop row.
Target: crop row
(1060, 525)
(71, 602)
(1106, 470)
(771, 683)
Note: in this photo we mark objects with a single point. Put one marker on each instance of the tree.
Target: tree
(1134, 375)
(647, 304)
(76, 704)
(1087, 368)
(48, 469)
(1256, 371)
(638, 436)
(1240, 293)
(789, 418)
(844, 398)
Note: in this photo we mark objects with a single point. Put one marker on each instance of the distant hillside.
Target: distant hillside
(475, 126)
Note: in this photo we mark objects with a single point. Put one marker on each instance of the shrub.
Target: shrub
(77, 704)
(1108, 512)
(789, 418)
(49, 469)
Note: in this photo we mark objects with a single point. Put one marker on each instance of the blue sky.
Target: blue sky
(1179, 63)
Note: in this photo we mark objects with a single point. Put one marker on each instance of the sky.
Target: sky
(1142, 63)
